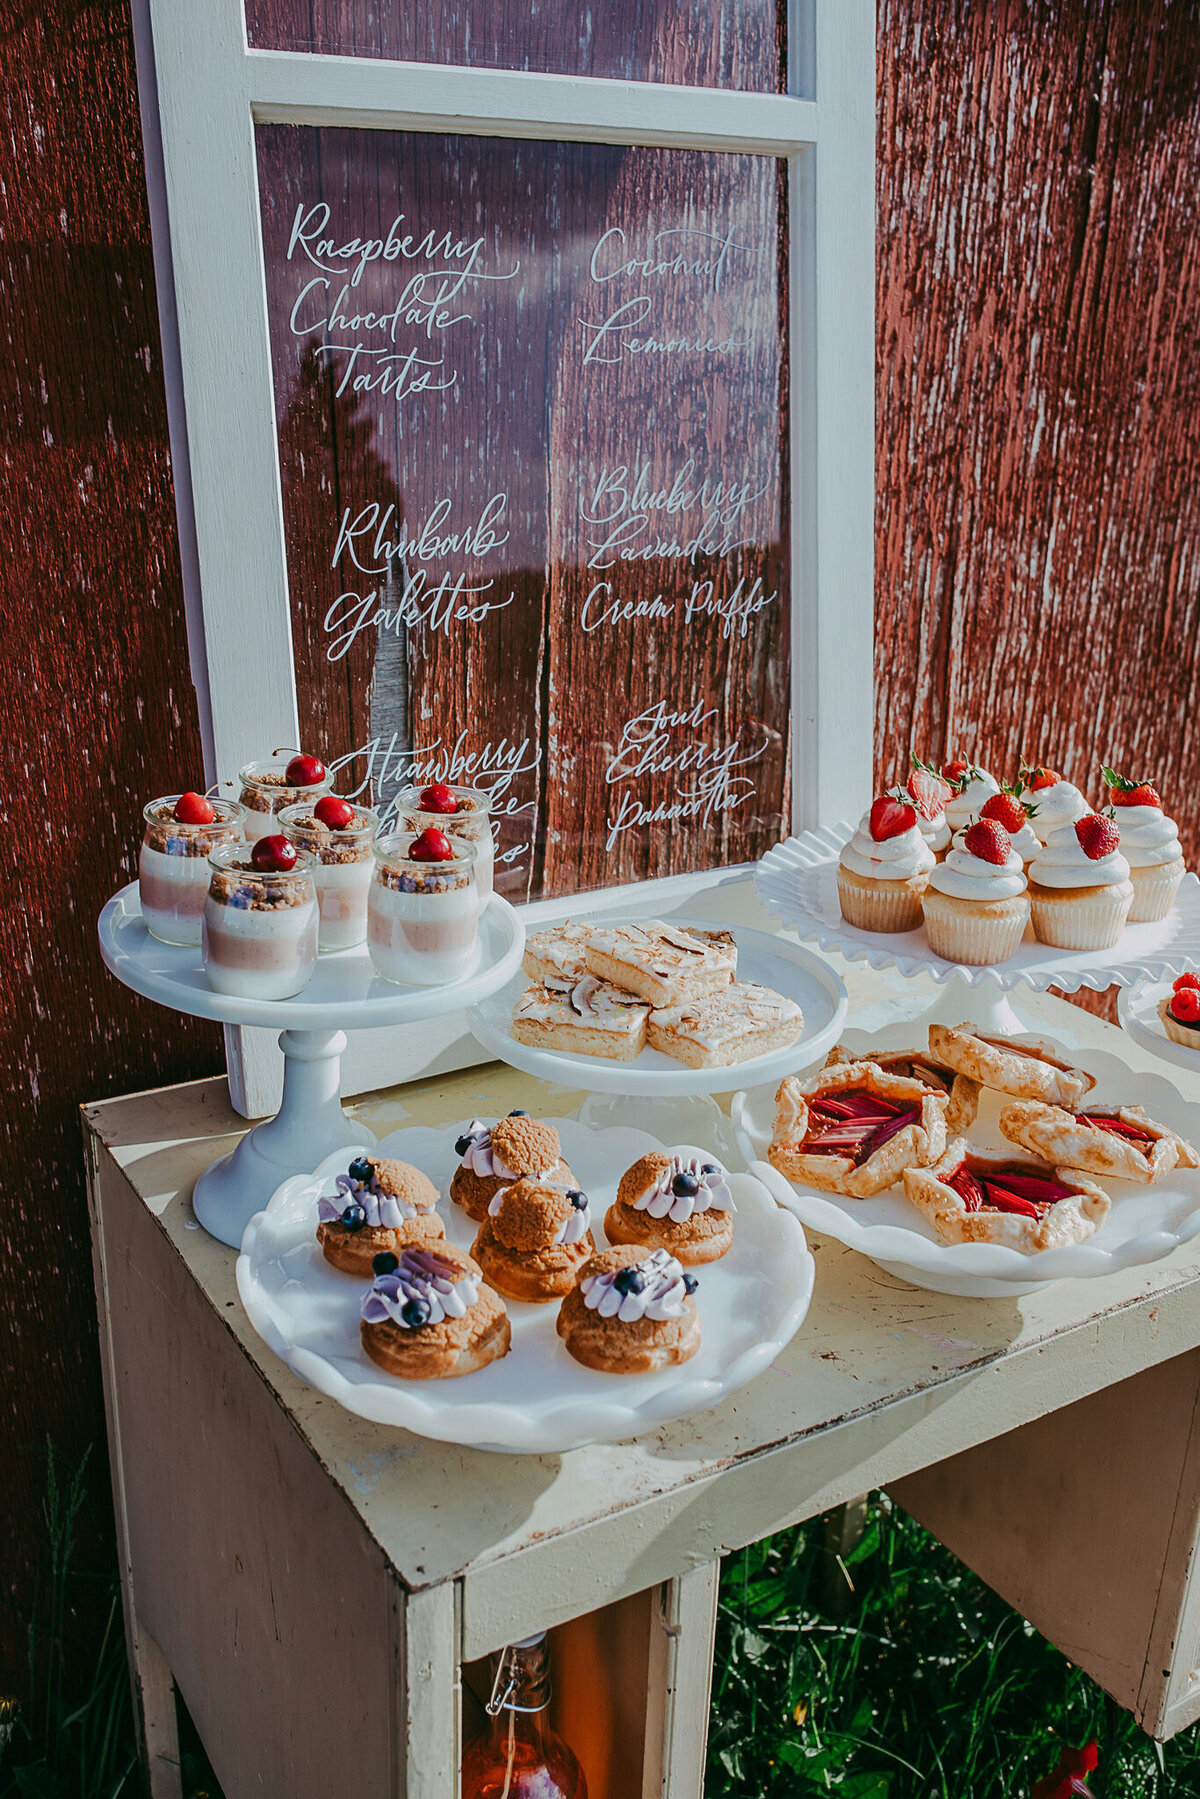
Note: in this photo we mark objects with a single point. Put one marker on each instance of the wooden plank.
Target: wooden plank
(679, 1684)
(425, 1694)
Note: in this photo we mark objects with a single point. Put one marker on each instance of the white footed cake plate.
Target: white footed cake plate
(797, 881)
(1145, 1223)
(1137, 1009)
(537, 1399)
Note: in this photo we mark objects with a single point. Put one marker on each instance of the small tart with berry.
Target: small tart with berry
(1026, 1067)
(922, 1065)
(1179, 1012)
(534, 1240)
(1120, 1142)
(854, 1129)
(1027, 1206)
(678, 1203)
(515, 1148)
(380, 1204)
(631, 1311)
(429, 1316)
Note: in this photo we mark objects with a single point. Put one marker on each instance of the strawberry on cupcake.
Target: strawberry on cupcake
(976, 907)
(1056, 801)
(928, 792)
(1180, 1011)
(884, 867)
(1079, 886)
(1149, 843)
(1008, 809)
(973, 787)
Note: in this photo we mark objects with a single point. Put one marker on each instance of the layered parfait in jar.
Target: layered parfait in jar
(260, 919)
(423, 909)
(181, 832)
(287, 778)
(338, 836)
(463, 812)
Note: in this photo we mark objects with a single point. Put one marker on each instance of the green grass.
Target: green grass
(928, 1686)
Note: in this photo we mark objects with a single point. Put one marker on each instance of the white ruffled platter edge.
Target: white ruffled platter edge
(797, 881)
(1145, 1224)
(1137, 1009)
(752, 1302)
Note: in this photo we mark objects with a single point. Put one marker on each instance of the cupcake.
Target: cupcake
(1050, 799)
(976, 907)
(380, 1204)
(1150, 845)
(928, 792)
(973, 788)
(884, 869)
(1179, 1012)
(1008, 809)
(1079, 886)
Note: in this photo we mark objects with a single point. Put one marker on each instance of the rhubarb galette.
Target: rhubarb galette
(1029, 1206)
(854, 1129)
(1023, 1066)
(921, 1065)
(1121, 1142)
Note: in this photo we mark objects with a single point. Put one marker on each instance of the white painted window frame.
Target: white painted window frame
(203, 92)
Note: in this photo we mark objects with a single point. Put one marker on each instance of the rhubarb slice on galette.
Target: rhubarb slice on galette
(1121, 1141)
(1028, 1206)
(854, 1129)
(921, 1065)
(1026, 1067)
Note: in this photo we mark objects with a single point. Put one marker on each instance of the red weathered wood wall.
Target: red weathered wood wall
(1038, 533)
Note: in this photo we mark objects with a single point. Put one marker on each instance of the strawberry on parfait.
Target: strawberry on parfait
(884, 869)
(1149, 843)
(459, 811)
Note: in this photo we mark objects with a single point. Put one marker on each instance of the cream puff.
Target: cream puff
(631, 1311)
(534, 1240)
(380, 1204)
(515, 1148)
(678, 1203)
(429, 1316)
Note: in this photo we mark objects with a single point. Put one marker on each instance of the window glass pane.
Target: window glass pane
(729, 43)
(531, 407)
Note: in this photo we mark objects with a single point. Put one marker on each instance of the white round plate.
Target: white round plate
(1145, 1223)
(345, 992)
(769, 961)
(1137, 1009)
(537, 1400)
(797, 881)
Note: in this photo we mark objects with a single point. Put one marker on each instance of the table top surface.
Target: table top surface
(882, 1377)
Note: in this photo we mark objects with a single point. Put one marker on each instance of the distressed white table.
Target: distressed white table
(319, 1587)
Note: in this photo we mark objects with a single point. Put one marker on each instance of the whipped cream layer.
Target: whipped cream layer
(658, 1291)
(895, 859)
(965, 876)
(1148, 837)
(704, 1189)
(425, 1289)
(1059, 804)
(1026, 842)
(384, 1210)
(970, 802)
(1062, 863)
(935, 831)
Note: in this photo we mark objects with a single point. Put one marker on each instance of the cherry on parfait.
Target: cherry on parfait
(273, 855)
(193, 809)
(438, 798)
(333, 812)
(304, 771)
(431, 846)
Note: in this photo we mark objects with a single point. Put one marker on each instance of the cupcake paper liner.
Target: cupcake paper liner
(974, 932)
(1081, 917)
(879, 905)
(1154, 891)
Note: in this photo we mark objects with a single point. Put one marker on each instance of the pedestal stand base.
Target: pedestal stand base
(988, 1007)
(309, 1125)
(683, 1118)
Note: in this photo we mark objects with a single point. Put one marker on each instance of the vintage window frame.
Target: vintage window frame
(203, 92)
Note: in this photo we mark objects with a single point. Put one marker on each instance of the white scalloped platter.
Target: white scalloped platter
(797, 881)
(537, 1400)
(1137, 1009)
(770, 961)
(1145, 1224)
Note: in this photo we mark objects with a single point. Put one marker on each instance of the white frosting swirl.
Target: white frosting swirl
(662, 1295)
(481, 1159)
(935, 831)
(1062, 863)
(1058, 804)
(970, 802)
(966, 876)
(711, 1195)
(1026, 842)
(1148, 837)
(425, 1286)
(895, 859)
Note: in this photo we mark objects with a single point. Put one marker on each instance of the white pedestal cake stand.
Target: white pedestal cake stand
(798, 882)
(344, 994)
(654, 1092)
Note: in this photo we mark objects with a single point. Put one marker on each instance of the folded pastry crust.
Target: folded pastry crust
(1026, 1067)
(1057, 1136)
(915, 1146)
(1068, 1220)
(922, 1065)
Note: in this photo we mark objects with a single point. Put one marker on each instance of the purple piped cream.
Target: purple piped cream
(656, 1289)
(685, 1186)
(424, 1289)
(384, 1210)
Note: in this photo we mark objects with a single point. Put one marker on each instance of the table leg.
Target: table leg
(154, 1712)
(679, 1684)
(426, 1697)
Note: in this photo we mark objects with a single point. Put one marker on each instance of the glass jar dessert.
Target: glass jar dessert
(338, 836)
(260, 919)
(463, 812)
(181, 831)
(284, 779)
(423, 909)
